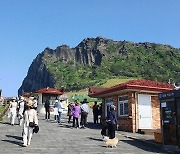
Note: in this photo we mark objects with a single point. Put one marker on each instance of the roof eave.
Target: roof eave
(127, 88)
(56, 93)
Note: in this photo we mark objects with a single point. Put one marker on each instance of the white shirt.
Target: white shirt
(35, 103)
(85, 107)
(30, 116)
(21, 107)
(13, 106)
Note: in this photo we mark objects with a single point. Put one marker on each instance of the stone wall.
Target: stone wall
(156, 112)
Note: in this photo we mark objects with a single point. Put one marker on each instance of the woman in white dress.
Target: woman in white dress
(13, 111)
(30, 120)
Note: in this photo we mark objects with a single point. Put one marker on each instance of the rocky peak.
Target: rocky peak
(89, 52)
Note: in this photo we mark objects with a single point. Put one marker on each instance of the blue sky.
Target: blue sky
(27, 27)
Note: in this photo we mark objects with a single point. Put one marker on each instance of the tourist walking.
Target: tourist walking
(60, 110)
(104, 130)
(100, 112)
(76, 111)
(69, 113)
(35, 103)
(95, 112)
(56, 114)
(30, 121)
(84, 113)
(21, 105)
(13, 110)
(112, 121)
(47, 109)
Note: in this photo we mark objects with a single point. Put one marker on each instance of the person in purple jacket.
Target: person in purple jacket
(76, 111)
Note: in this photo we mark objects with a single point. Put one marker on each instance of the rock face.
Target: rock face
(37, 77)
(86, 53)
(118, 58)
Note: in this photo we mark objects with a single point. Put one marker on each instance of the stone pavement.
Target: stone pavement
(56, 138)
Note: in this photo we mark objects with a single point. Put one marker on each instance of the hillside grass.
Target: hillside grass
(81, 92)
(80, 95)
(113, 82)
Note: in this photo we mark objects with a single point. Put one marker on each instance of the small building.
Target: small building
(50, 94)
(136, 101)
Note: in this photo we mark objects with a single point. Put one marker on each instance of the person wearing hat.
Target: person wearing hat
(30, 121)
(35, 103)
(112, 122)
(21, 104)
(13, 110)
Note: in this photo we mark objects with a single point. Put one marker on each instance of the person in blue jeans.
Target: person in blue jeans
(60, 109)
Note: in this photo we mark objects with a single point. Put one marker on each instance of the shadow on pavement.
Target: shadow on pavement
(5, 123)
(91, 125)
(65, 126)
(15, 137)
(8, 123)
(13, 142)
(96, 139)
(143, 146)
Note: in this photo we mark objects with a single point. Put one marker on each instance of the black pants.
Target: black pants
(69, 119)
(104, 131)
(111, 130)
(47, 116)
(95, 118)
(75, 122)
(55, 117)
(84, 118)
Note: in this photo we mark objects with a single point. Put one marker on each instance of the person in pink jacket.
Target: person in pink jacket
(76, 111)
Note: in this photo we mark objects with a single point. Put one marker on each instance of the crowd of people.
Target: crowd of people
(26, 111)
(77, 111)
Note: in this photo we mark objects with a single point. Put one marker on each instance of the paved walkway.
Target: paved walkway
(62, 138)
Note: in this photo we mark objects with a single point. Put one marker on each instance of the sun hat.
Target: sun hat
(31, 98)
(14, 98)
(30, 103)
(21, 98)
(112, 106)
